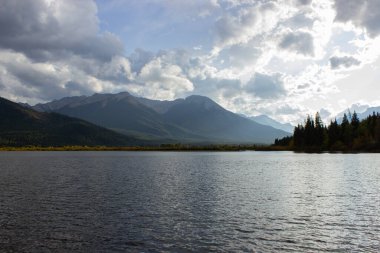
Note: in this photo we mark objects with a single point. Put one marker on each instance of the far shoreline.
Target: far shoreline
(221, 148)
(185, 148)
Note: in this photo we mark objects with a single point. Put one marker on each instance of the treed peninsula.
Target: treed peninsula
(348, 135)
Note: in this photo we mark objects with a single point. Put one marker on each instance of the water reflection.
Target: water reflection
(153, 201)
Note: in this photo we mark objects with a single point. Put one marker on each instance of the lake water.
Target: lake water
(189, 202)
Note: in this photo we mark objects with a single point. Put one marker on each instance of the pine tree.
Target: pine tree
(319, 131)
(333, 133)
(299, 136)
(346, 136)
(355, 122)
(309, 131)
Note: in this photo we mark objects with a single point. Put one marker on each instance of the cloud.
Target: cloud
(337, 62)
(266, 86)
(23, 78)
(174, 9)
(298, 42)
(240, 27)
(300, 20)
(117, 70)
(287, 109)
(364, 13)
(217, 87)
(139, 58)
(163, 81)
(52, 48)
(303, 2)
(45, 30)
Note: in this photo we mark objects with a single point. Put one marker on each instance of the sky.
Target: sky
(282, 58)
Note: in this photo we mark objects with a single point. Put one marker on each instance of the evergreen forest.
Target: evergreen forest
(351, 135)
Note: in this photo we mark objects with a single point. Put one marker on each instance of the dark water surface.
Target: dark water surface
(189, 202)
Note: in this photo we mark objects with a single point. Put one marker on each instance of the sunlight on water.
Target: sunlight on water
(168, 201)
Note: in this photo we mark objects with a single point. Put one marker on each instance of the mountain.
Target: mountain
(196, 119)
(21, 126)
(362, 115)
(158, 105)
(265, 120)
(207, 118)
(119, 112)
(368, 112)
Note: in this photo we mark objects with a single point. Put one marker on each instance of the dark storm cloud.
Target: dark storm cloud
(344, 61)
(45, 31)
(298, 42)
(362, 13)
(266, 86)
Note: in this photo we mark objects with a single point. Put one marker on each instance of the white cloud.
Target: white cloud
(163, 81)
(232, 29)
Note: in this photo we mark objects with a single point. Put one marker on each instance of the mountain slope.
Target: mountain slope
(122, 113)
(205, 117)
(265, 120)
(20, 126)
(195, 119)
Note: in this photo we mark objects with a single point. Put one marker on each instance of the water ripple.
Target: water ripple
(189, 202)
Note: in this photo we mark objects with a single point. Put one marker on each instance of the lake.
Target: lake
(189, 202)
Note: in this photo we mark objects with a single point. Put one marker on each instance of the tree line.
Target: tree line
(349, 135)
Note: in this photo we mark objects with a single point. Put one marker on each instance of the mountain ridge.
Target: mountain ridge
(22, 126)
(192, 119)
(361, 115)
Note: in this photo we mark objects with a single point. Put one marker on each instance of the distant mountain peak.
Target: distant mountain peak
(206, 102)
(362, 115)
(122, 95)
(268, 121)
(198, 98)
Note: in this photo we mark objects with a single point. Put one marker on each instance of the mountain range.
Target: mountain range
(361, 115)
(195, 119)
(22, 126)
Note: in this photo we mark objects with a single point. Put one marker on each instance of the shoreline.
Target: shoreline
(210, 148)
(220, 148)
(163, 147)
